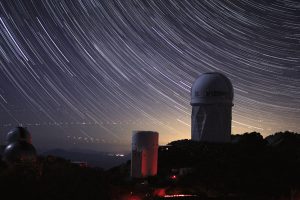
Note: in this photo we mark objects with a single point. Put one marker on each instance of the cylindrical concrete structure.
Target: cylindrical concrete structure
(211, 98)
(144, 154)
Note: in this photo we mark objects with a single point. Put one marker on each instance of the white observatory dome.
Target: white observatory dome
(211, 88)
(18, 134)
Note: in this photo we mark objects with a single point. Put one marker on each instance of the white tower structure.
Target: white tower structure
(211, 100)
(144, 154)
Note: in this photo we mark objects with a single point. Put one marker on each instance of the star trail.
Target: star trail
(93, 71)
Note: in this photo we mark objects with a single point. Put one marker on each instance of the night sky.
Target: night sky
(85, 73)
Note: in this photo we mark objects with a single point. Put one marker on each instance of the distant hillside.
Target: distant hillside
(250, 166)
(284, 139)
(103, 160)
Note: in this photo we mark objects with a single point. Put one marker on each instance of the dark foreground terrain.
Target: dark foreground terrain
(249, 168)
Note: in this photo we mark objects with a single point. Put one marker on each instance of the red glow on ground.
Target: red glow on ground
(131, 197)
(178, 195)
(161, 192)
(173, 177)
(135, 198)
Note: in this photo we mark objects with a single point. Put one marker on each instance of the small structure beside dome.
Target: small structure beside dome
(211, 100)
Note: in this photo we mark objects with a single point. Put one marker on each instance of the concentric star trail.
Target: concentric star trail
(105, 68)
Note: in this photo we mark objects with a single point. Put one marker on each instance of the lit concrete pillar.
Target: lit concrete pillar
(144, 154)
